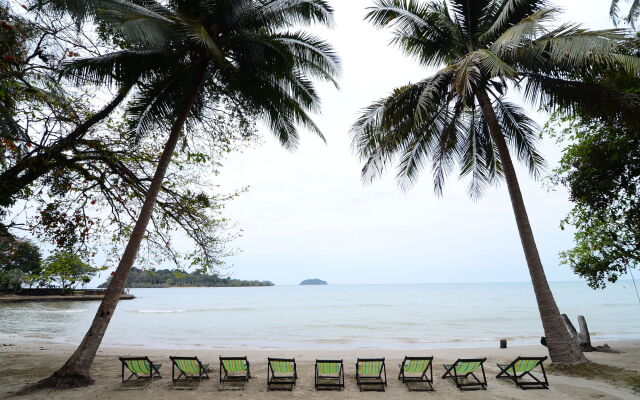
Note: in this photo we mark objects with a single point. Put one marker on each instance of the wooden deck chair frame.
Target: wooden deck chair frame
(428, 379)
(339, 385)
(153, 374)
(224, 374)
(450, 372)
(380, 380)
(272, 379)
(517, 378)
(202, 373)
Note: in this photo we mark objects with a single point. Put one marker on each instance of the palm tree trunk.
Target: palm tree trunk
(563, 348)
(76, 371)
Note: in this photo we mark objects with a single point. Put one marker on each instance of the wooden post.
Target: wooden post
(584, 336)
(570, 327)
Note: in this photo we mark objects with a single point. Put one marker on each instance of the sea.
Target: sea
(419, 316)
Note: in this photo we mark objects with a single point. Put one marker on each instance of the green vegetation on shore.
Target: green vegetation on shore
(165, 278)
(22, 266)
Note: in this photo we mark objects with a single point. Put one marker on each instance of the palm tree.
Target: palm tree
(184, 55)
(632, 14)
(460, 116)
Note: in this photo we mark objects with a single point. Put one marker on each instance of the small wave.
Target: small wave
(70, 311)
(197, 310)
(160, 311)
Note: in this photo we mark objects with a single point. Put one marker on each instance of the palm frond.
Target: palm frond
(287, 13)
(510, 13)
(424, 31)
(313, 55)
(478, 155)
(523, 32)
(521, 133)
(473, 16)
(119, 68)
(587, 98)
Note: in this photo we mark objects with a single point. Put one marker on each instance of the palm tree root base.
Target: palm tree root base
(60, 380)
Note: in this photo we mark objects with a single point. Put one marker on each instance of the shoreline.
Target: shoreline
(16, 298)
(27, 362)
(315, 346)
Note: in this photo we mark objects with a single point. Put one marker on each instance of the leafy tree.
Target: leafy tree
(183, 53)
(68, 270)
(20, 262)
(461, 116)
(21, 254)
(602, 171)
(70, 160)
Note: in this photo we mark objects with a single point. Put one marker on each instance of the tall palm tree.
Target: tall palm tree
(460, 116)
(185, 54)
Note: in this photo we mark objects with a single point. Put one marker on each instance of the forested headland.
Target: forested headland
(166, 278)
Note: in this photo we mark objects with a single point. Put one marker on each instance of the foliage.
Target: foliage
(601, 169)
(68, 270)
(16, 253)
(72, 173)
(20, 262)
(484, 46)
(152, 278)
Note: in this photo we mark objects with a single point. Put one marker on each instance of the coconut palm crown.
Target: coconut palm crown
(460, 115)
(248, 50)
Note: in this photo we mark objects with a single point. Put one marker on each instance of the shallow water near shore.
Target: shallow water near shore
(329, 317)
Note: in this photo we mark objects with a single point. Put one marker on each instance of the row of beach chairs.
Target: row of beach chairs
(371, 373)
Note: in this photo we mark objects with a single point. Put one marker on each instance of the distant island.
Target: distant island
(165, 278)
(313, 282)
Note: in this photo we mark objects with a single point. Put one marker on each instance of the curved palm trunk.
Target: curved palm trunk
(76, 371)
(563, 348)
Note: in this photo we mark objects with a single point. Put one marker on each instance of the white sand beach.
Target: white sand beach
(23, 363)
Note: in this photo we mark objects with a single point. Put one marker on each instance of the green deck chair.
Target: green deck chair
(234, 370)
(329, 375)
(189, 368)
(521, 367)
(462, 369)
(371, 374)
(140, 367)
(417, 370)
(281, 374)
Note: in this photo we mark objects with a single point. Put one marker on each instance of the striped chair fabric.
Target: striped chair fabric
(369, 368)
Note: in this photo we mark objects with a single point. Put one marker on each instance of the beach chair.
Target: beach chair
(417, 370)
(234, 370)
(329, 375)
(140, 367)
(190, 368)
(462, 369)
(371, 374)
(281, 374)
(521, 367)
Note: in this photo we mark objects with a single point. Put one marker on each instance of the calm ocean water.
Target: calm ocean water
(335, 316)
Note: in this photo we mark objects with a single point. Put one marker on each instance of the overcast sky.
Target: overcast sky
(308, 215)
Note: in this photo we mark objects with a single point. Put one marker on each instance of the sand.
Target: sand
(23, 363)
